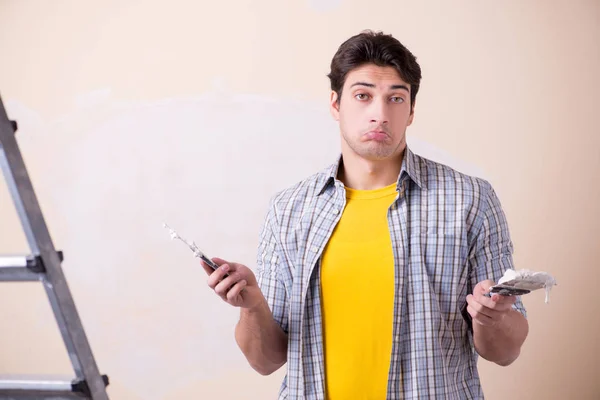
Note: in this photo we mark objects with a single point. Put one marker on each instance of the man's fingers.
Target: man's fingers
(503, 303)
(483, 307)
(233, 293)
(207, 269)
(485, 286)
(230, 282)
(479, 317)
(220, 261)
(218, 275)
(222, 287)
(496, 301)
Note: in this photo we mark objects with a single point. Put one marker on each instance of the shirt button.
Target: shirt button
(336, 211)
(315, 249)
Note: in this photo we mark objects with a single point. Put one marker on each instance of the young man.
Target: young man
(372, 273)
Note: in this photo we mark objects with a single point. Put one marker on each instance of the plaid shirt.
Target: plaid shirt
(448, 233)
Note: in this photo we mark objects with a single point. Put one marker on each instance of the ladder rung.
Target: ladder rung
(14, 261)
(23, 268)
(43, 387)
(22, 387)
(40, 394)
(18, 383)
(19, 268)
(19, 274)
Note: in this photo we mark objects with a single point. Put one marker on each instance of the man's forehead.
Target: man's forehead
(380, 77)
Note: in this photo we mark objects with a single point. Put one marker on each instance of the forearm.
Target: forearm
(502, 342)
(262, 341)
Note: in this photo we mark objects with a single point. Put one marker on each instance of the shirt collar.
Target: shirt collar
(413, 167)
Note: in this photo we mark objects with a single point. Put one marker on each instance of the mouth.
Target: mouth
(377, 135)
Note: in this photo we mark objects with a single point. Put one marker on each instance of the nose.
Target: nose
(379, 112)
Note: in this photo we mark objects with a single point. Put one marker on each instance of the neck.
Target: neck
(361, 174)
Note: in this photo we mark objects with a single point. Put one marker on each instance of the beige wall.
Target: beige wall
(134, 112)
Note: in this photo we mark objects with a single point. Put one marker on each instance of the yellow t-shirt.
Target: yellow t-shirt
(357, 298)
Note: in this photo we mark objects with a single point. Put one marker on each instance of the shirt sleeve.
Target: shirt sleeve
(268, 271)
(492, 249)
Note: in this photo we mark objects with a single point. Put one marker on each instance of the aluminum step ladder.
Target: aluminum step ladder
(44, 265)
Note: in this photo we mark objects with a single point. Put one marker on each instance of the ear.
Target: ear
(334, 106)
(411, 116)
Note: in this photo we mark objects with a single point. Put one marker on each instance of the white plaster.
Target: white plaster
(530, 280)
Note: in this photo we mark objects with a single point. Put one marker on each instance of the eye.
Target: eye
(397, 99)
(361, 96)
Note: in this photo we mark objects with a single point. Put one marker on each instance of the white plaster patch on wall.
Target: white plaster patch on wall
(29, 122)
(206, 164)
(324, 5)
(93, 98)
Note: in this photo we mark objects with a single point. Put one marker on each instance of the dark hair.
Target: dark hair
(377, 48)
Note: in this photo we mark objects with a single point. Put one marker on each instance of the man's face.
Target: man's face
(373, 112)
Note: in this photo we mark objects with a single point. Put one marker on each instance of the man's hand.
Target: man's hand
(260, 338)
(488, 311)
(239, 289)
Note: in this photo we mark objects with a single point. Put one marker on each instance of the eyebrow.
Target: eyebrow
(370, 85)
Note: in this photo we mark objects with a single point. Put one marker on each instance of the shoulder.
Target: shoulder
(292, 200)
(471, 197)
(445, 180)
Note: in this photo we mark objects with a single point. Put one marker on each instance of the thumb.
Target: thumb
(219, 261)
(486, 285)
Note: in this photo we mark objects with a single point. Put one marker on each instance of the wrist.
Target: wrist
(257, 306)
